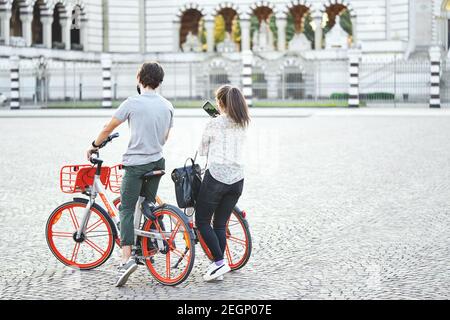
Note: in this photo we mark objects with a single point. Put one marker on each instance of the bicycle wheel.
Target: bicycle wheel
(95, 245)
(239, 242)
(172, 263)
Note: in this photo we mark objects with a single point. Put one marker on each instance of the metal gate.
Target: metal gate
(395, 83)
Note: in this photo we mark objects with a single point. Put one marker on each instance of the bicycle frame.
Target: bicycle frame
(97, 188)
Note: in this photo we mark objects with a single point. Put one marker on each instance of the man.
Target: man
(150, 118)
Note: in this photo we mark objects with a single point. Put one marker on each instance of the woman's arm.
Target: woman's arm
(207, 136)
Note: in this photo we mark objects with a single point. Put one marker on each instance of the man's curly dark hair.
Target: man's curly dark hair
(151, 74)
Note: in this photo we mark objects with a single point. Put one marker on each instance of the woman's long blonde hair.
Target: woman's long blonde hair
(232, 101)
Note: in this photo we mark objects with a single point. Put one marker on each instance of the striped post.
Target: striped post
(435, 79)
(354, 57)
(14, 71)
(106, 79)
(247, 61)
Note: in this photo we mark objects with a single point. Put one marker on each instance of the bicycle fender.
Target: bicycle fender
(103, 211)
(181, 214)
(239, 211)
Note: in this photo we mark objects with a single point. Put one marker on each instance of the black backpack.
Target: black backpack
(187, 181)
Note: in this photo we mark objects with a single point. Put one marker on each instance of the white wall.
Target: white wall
(124, 26)
(95, 24)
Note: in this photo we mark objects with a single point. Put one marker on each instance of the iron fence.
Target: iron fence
(297, 83)
(396, 82)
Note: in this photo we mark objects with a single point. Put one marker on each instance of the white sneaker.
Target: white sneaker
(219, 278)
(214, 271)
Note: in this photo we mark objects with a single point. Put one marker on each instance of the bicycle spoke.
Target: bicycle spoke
(240, 241)
(60, 234)
(75, 252)
(179, 253)
(227, 250)
(74, 218)
(174, 232)
(168, 265)
(95, 247)
(94, 226)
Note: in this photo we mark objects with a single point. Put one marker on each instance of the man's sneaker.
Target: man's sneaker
(124, 271)
(214, 271)
(220, 278)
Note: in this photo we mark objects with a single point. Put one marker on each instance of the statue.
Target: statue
(227, 45)
(263, 38)
(299, 43)
(336, 37)
(192, 43)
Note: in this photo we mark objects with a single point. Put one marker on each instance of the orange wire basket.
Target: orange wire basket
(115, 178)
(75, 178)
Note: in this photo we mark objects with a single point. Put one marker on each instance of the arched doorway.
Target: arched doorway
(57, 36)
(217, 77)
(227, 29)
(263, 29)
(36, 24)
(192, 31)
(15, 24)
(259, 83)
(299, 21)
(293, 83)
(75, 29)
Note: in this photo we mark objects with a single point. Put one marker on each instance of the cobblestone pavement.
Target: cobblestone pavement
(340, 208)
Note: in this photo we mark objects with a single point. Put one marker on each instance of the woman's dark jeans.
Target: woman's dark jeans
(219, 199)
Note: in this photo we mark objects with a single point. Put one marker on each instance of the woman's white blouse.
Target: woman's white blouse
(223, 142)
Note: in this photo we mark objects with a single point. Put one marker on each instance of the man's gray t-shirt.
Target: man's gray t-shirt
(150, 116)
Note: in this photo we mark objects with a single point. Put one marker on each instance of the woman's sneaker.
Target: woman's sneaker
(214, 271)
(125, 270)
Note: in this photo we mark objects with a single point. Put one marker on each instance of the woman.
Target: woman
(222, 185)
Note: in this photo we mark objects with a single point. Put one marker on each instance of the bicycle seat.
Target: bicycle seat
(153, 173)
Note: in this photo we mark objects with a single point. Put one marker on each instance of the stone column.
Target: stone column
(355, 31)
(14, 72)
(318, 32)
(106, 79)
(84, 34)
(354, 58)
(281, 24)
(5, 16)
(27, 18)
(247, 90)
(272, 85)
(209, 26)
(47, 31)
(245, 34)
(435, 79)
(176, 35)
(65, 30)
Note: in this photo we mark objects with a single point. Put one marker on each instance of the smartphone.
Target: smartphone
(210, 109)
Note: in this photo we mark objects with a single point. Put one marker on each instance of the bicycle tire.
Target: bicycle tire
(49, 235)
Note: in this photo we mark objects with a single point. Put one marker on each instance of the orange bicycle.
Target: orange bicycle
(82, 233)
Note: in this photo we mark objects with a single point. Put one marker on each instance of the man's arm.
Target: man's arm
(106, 131)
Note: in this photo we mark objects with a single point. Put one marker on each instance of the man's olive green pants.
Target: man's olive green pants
(132, 187)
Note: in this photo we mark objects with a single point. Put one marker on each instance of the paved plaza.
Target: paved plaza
(342, 204)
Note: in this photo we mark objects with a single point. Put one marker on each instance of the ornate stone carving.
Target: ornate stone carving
(336, 38)
(263, 38)
(192, 43)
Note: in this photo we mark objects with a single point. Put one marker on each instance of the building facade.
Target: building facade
(299, 50)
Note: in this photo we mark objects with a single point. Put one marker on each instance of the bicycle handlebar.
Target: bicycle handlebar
(109, 139)
(96, 160)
